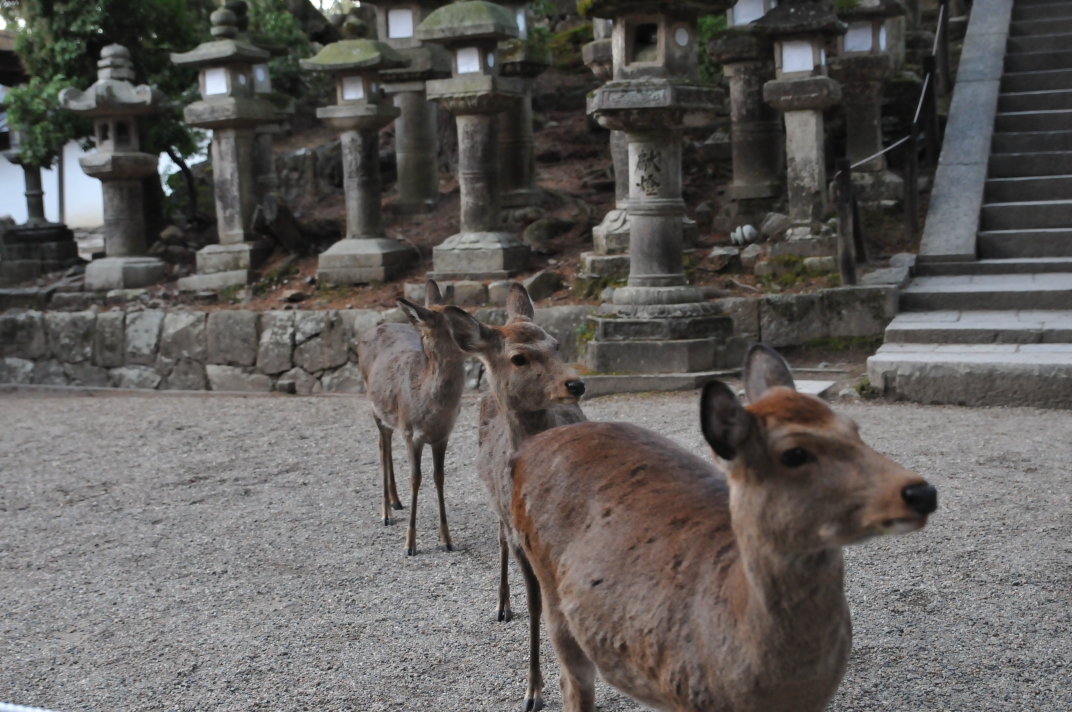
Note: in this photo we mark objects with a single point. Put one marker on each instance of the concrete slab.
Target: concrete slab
(953, 216)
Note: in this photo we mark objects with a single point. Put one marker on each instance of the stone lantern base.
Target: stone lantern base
(479, 256)
(28, 251)
(360, 261)
(224, 266)
(124, 273)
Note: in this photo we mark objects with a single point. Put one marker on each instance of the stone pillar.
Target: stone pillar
(362, 184)
(267, 178)
(758, 145)
(478, 172)
(805, 166)
(234, 184)
(525, 59)
(417, 152)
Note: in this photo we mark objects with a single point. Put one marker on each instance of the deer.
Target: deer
(414, 377)
(530, 390)
(692, 586)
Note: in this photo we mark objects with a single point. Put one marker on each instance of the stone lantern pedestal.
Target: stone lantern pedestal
(114, 104)
(365, 255)
(476, 93)
(232, 110)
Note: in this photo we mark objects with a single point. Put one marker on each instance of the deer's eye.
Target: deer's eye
(518, 360)
(796, 457)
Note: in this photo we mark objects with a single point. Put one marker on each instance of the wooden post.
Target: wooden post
(911, 184)
(845, 251)
(930, 113)
(941, 50)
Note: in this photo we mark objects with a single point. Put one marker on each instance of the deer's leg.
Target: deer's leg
(439, 452)
(413, 450)
(534, 694)
(395, 502)
(385, 467)
(577, 678)
(503, 613)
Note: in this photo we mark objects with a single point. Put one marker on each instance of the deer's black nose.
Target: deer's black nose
(921, 499)
(575, 388)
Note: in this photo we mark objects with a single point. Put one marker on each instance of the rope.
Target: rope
(860, 163)
(938, 33)
(922, 94)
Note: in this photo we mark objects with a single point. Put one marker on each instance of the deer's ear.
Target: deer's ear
(723, 419)
(764, 368)
(417, 315)
(470, 335)
(432, 296)
(519, 303)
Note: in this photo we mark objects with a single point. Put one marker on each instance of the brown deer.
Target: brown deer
(414, 376)
(530, 389)
(690, 587)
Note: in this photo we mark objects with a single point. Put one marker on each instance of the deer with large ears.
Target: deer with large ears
(414, 376)
(530, 390)
(691, 586)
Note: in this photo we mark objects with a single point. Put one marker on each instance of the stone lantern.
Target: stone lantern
(416, 135)
(862, 67)
(230, 107)
(365, 255)
(475, 94)
(525, 59)
(802, 91)
(115, 104)
(657, 323)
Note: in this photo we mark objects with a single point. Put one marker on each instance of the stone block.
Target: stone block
(856, 311)
(16, 370)
(498, 292)
(183, 336)
(414, 292)
(566, 324)
(684, 356)
(276, 343)
(327, 349)
(750, 255)
(395, 316)
(70, 335)
(895, 276)
(143, 337)
(903, 259)
(774, 226)
(72, 301)
(109, 339)
(119, 297)
(22, 335)
(744, 312)
(134, 377)
(237, 379)
(232, 337)
(725, 258)
(605, 265)
(124, 272)
(344, 380)
(185, 375)
(790, 319)
(468, 293)
(49, 373)
(215, 281)
(820, 264)
(805, 247)
(26, 298)
(303, 381)
(355, 323)
(543, 284)
(86, 374)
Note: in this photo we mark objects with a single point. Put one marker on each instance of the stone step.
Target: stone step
(1032, 215)
(1037, 81)
(1018, 190)
(989, 292)
(1020, 165)
(1021, 265)
(1048, 11)
(1055, 120)
(1016, 244)
(1026, 326)
(1031, 142)
(1035, 100)
(1043, 26)
(1050, 42)
(1038, 375)
(1038, 61)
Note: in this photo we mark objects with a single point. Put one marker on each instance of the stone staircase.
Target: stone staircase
(997, 330)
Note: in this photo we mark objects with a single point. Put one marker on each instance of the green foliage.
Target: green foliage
(44, 126)
(566, 47)
(273, 27)
(709, 26)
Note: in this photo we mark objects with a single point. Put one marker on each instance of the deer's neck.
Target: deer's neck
(442, 367)
(522, 425)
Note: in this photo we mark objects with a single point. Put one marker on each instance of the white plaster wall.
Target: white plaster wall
(83, 194)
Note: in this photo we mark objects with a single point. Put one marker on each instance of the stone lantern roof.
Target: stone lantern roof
(227, 48)
(355, 55)
(113, 94)
(739, 44)
(871, 10)
(619, 8)
(469, 20)
(809, 18)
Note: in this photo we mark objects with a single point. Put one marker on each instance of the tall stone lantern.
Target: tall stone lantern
(365, 255)
(231, 108)
(476, 93)
(115, 104)
(862, 67)
(416, 135)
(657, 323)
(802, 90)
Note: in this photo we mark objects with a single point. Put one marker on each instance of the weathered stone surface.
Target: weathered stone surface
(344, 380)
(395, 316)
(750, 255)
(498, 292)
(723, 258)
(109, 339)
(790, 319)
(470, 294)
(857, 311)
(327, 349)
(566, 324)
(414, 292)
(903, 259)
(85, 374)
(895, 276)
(277, 342)
(232, 338)
(49, 373)
(543, 284)
(23, 335)
(546, 229)
(70, 335)
(237, 379)
(356, 322)
(820, 264)
(183, 336)
(185, 375)
(16, 370)
(134, 377)
(304, 382)
(143, 337)
(744, 312)
(774, 226)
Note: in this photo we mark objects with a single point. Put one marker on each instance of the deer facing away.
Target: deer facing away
(414, 376)
(531, 390)
(692, 588)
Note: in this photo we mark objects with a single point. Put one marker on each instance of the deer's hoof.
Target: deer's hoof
(387, 521)
(448, 547)
(533, 704)
(411, 551)
(397, 505)
(505, 616)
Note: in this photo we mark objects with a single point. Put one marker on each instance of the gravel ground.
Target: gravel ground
(226, 554)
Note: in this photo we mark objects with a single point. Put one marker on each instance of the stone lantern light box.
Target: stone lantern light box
(748, 11)
(655, 41)
(867, 27)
